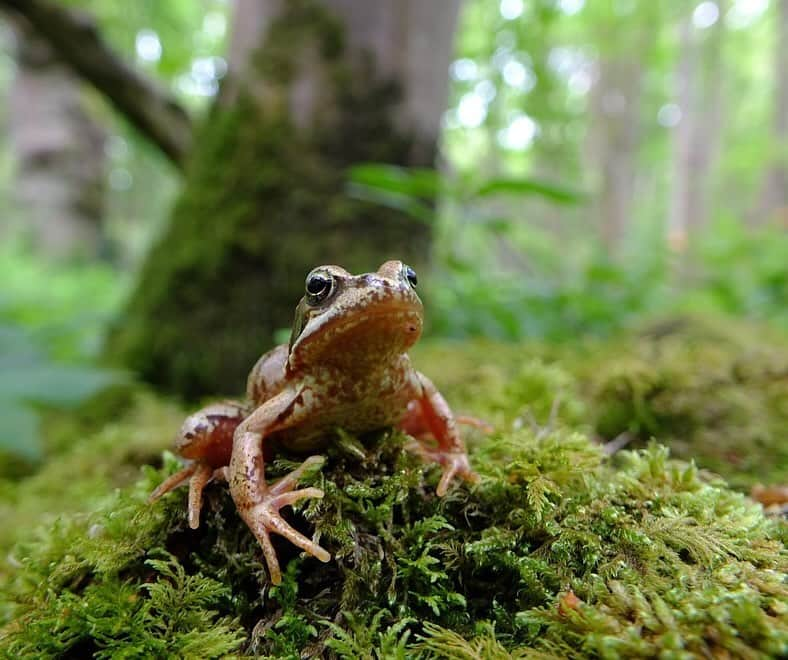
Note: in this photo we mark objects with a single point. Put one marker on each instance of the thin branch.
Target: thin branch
(74, 36)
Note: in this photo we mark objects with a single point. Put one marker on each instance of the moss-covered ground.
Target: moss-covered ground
(562, 550)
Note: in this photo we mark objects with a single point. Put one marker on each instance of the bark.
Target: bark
(774, 198)
(616, 118)
(696, 139)
(74, 37)
(314, 88)
(682, 201)
(60, 152)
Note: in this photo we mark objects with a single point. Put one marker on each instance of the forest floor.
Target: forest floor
(612, 519)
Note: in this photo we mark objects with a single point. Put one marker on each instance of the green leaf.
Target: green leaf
(397, 201)
(521, 186)
(52, 384)
(19, 431)
(414, 181)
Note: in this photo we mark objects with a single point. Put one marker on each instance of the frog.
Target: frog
(345, 367)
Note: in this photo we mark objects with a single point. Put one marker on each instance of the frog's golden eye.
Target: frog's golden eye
(318, 287)
(410, 275)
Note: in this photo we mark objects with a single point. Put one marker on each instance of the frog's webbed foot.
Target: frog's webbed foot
(263, 517)
(455, 464)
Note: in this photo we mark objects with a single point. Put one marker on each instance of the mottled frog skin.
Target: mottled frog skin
(345, 367)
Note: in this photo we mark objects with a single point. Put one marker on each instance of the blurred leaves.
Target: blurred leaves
(47, 342)
(28, 379)
(415, 190)
(521, 186)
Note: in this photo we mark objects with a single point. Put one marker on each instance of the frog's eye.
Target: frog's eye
(318, 287)
(410, 275)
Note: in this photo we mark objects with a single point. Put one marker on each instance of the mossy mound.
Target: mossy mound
(713, 391)
(560, 551)
(85, 464)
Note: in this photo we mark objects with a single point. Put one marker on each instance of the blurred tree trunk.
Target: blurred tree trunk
(697, 137)
(61, 164)
(774, 198)
(314, 88)
(615, 119)
(616, 103)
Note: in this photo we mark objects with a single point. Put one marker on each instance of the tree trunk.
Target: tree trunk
(682, 194)
(616, 116)
(315, 87)
(59, 149)
(774, 198)
(697, 137)
(615, 125)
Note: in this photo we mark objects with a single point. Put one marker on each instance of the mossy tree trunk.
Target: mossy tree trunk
(315, 87)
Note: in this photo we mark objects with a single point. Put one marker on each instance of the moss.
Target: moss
(714, 391)
(558, 552)
(85, 467)
(264, 202)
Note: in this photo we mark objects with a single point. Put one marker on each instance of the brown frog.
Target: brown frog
(344, 367)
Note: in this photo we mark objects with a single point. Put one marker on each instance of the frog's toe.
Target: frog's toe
(291, 497)
(455, 464)
(475, 422)
(172, 482)
(202, 475)
(264, 519)
(456, 467)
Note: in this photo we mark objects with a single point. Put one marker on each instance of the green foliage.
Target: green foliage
(45, 345)
(743, 272)
(48, 300)
(412, 190)
(736, 270)
(558, 552)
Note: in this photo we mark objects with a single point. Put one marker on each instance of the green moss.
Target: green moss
(263, 203)
(560, 551)
(714, 391)
(85, 467)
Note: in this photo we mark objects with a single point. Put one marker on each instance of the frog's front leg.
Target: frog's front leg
(257, 503)
(429, 411)
(206, 437)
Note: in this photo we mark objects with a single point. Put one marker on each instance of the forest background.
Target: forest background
(594, 194)
(599, 163)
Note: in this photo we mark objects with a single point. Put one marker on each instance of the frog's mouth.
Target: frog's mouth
(389, 320)
(372, 332)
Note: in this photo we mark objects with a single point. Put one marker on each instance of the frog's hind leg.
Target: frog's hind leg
(206, 437)
(258, 503)
(202, 475)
